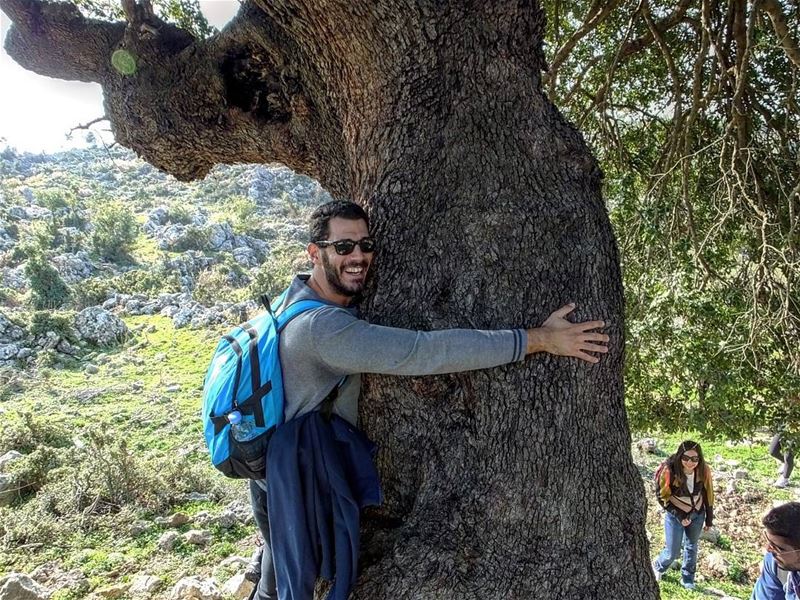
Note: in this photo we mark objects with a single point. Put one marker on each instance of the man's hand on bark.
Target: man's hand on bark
(564, 338)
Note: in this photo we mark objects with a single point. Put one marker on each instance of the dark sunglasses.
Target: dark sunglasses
(688, 458)
(345, 247)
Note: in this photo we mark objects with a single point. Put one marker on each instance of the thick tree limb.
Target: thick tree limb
(84, 45)
(188, 104)
(789, 44)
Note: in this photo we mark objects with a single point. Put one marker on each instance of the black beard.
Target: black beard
(335, 280)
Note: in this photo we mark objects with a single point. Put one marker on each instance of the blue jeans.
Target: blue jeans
(675, 533)
(266, 586)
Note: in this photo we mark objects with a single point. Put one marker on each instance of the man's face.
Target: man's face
(346, 274)
(786, 553)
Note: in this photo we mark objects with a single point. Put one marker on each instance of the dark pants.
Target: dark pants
(787, 458)
(267, 589)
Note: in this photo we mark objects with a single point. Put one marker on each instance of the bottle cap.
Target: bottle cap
(234, 417)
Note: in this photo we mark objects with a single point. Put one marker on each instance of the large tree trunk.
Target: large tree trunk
(511, 483)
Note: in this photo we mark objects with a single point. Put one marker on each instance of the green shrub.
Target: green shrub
(26, 432)
(195, 238)
(48, 290)
(115, 230)
(217, 285)
(146, 281)
(244, 217)
(179, 215)
(90, 292)
(276, 272)
(43, 321)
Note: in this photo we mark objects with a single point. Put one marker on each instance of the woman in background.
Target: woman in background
(684, 489)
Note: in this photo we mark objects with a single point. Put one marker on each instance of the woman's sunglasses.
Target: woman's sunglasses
(687, 458)
(345, 247)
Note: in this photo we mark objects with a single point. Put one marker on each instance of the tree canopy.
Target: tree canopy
(693, 110)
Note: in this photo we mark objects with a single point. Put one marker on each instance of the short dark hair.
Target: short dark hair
(784, 520)
(344, 209)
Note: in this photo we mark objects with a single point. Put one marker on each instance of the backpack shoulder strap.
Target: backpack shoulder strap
(295, 309)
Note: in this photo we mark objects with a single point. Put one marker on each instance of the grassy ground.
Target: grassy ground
(105, 450)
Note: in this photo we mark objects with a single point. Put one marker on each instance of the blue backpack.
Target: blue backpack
(243, 391)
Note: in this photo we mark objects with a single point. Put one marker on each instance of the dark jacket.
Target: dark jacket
(669, 489)
(319, 475)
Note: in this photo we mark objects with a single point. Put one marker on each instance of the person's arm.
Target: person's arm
(708, 500)
(348, 345)
(768, 586)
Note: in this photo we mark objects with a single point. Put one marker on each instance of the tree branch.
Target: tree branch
(83, 45)
(773, 9)
(182, 104)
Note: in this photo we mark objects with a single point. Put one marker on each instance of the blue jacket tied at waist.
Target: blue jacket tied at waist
(319, 476)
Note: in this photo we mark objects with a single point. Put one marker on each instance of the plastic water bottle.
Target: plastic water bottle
(243, 429)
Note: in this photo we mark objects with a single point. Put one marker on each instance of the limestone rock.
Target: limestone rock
(18, 586)
(8, 458)
(237, 586)
(112, 592)
(717, 565)
(192, 588)
(175, 520)
(198, 537)
(712, 535)
(168, 540)
(647, 446)
(145, 585)
(139, 527)
(100, 327)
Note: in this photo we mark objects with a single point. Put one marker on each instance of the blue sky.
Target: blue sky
(36, 112)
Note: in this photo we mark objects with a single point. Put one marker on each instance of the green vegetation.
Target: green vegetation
(48, 290)
(701, 173)
(115, 231)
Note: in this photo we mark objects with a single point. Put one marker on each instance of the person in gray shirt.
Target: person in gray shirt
(330, 346)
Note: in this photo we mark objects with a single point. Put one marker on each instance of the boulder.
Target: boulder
(716, 564)
(145, 585)
(100, 327)
(9, 351)
(190, 588)
(647, 446)
(14, 278)
(112, 592)
(712, 535)
(237, 586)
(18, 586)
(10, 331)
(198, 537)
(8, 458)
(168, 540)
(74, 267)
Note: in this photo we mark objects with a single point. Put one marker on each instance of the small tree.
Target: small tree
(115, 231)
(48, 290)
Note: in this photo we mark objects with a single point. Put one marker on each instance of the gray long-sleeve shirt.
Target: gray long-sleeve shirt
(322, 346)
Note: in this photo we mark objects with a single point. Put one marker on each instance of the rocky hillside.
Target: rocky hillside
(97, 232)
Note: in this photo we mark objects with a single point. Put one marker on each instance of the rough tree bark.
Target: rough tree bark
(511, 483)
